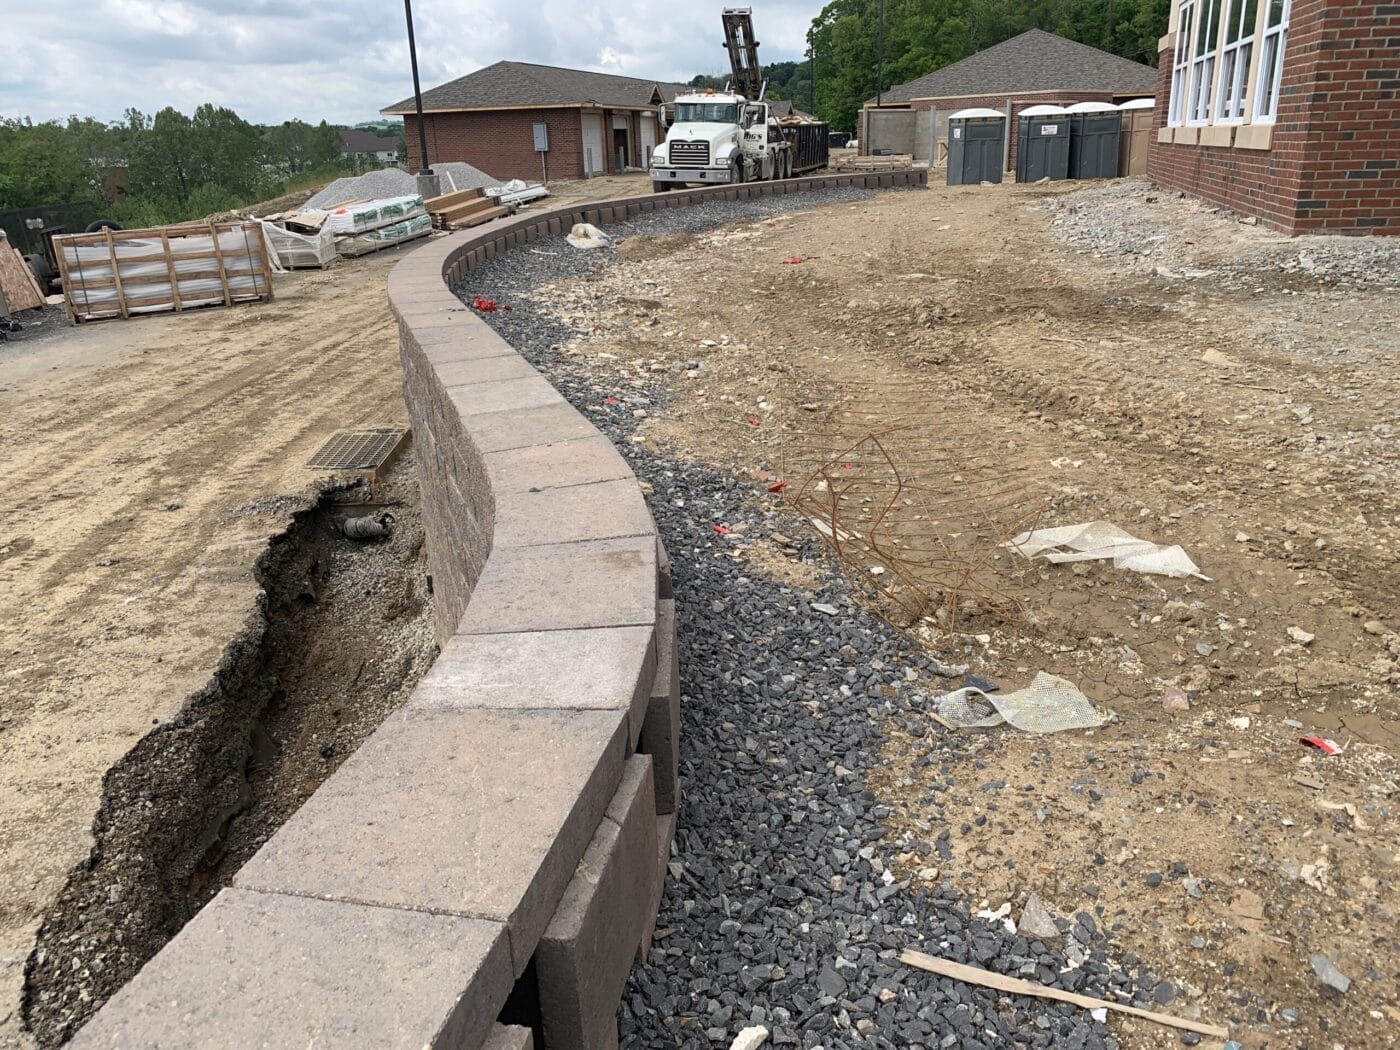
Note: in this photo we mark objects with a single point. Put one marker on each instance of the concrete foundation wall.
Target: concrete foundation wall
(519, 808)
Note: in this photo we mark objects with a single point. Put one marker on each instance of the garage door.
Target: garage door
(648, 137)
(594, 159)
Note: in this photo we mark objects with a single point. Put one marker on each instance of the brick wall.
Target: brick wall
(501, 142)
(1333, 163)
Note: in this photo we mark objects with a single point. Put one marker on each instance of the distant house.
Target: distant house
(1035, 68)
(494, 119)
(366, 149)
(1288, 111)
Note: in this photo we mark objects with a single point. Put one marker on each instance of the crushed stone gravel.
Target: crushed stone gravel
(1106, 220)
(780, 908)
(394, 182)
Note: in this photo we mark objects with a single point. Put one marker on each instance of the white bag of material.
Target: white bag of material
(371, 215)
(297, 251)
(1103, 541)
(586, 235)
(384, 236)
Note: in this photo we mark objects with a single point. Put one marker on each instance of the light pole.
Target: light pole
(879, 57)
(427, 181)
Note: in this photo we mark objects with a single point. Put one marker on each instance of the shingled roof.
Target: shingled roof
(1034, 61)
(526, 84)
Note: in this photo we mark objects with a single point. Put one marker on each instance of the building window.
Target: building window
(1240, 16)
(1203, 62)
(1271, 58)
(1181, 61)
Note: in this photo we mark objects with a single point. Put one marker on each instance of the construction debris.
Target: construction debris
(586, 235)
(1016, 986)
(107, 274)
(463, 209)
(296, 246)
(21, 290)
(1102, 540)
(1048, 705)
(892, 162)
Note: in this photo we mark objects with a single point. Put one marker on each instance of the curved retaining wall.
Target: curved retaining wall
(496, 849)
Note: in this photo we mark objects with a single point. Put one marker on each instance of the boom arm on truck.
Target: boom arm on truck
(747, 74)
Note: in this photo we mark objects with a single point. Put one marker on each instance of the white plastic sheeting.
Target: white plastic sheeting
(1103, 541)
(1048, 705)
(145, 284)
(385, 236)
(300, 251)
(371, 215)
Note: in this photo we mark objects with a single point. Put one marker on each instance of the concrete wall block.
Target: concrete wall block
(570, 513)
(276, 970)
(540, 670)
(665, 833)
(665, 587)
(509, 1037)
(586, 953)
(477, 813)
(661, 730)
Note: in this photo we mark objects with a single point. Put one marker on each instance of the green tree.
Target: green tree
(41, 164)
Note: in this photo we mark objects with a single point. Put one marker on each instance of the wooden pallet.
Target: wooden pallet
(121, 268)
(22, 291)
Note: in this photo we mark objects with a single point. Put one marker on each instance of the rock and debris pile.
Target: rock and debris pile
(782, 907)
(1177, 236)
(394, 182)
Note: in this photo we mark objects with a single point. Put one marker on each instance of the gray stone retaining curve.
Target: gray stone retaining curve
(485, 868)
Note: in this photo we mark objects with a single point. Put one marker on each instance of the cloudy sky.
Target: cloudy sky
(343, 60)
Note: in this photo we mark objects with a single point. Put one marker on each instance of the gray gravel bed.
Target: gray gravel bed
(779, 909)
(395, 182)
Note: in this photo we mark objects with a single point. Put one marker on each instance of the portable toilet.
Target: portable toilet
(1135, 136)
(976, 146)
(1095, 128)
(1042, 143)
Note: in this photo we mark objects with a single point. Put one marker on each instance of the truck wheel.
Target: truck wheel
(736, 171)
(99, 225)
(659, 187)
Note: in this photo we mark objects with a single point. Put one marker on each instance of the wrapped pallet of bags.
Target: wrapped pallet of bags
(371, 215)
(384, 236)
(301, 251)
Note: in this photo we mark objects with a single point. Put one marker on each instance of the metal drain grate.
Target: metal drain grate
(359, 451)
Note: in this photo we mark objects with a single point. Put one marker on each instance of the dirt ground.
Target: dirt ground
(963, 363)
(147, 463)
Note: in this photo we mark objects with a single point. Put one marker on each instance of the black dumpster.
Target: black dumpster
(1095, 128)
(1042, 144)
(976, 146)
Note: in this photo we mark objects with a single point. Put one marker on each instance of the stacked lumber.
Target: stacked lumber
(889, 163)
(463, 210)
(22, 291)
(118, 274)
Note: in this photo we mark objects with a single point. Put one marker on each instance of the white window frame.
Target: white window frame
(1205, 41)
(1181, 61)
(1274, 38)
(1233, 92)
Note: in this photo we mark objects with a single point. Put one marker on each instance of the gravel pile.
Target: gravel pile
(780, 909)
(393, 182)
(1179, 236)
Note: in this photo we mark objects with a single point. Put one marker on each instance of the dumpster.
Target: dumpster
(1042, 143)
(976, 146)
(1136, 135)
(1095, 128)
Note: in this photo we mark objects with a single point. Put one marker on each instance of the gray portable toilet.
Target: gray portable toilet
(1042, 143)
(1095, 128)
(976, 146)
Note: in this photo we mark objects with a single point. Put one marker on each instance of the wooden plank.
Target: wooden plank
(478, 219)
(263, 258)
(219, 255)
(463, 210)
(1016, 986)
(20, 291)
(450, 200)
(116, 271)
(170, 269)
(62, 257)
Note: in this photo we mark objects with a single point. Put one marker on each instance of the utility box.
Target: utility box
(976, 146)
(1095, 129)
(1042, 144)
(541, 137)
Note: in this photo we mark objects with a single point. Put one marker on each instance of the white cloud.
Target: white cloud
(272, 60)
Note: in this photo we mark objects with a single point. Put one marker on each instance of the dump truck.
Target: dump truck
(735, 135)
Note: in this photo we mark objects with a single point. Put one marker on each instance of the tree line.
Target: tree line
(176, 167)
(921, 36)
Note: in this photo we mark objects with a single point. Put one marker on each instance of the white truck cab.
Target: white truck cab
(720, 137)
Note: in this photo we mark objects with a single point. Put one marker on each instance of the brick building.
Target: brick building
(591, 123)
(1035, 68)
(1288, 110)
